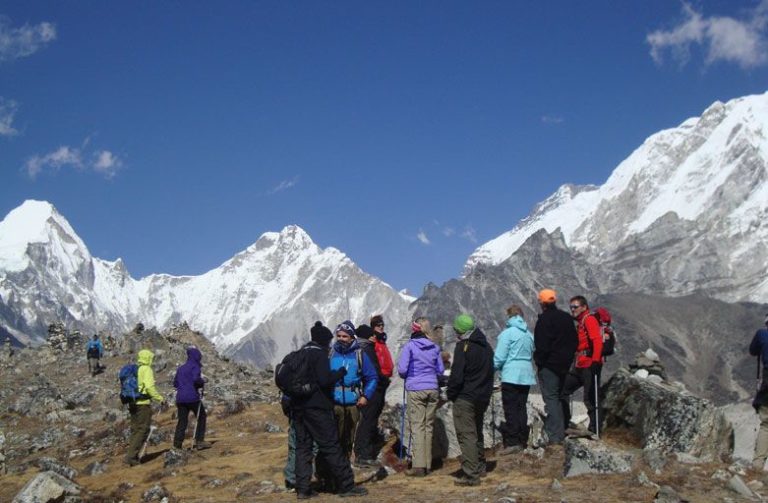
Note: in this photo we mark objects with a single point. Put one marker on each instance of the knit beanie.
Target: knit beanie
(364, 331)
(463, 323)
(547, 296)
(320, 334)
(375, 320)
(415, 327)
(347, 327)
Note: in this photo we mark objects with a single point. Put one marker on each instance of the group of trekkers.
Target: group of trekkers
(335, 411)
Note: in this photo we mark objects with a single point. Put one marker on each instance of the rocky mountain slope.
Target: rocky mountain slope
(685, 213)
(257, 304)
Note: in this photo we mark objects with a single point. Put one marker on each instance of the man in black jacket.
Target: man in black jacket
(556, 340)
(469, 388)
(314, 421)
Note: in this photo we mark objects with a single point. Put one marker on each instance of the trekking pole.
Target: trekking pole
(152, 428)
(759, 381)
(197, 420)
(597, 408)
(402, 425)
(493, 420)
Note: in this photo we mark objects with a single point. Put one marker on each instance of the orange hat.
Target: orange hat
(547, 296)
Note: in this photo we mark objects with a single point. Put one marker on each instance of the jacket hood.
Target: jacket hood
(478, 337)
(145, 357)
(422, 341)
(517, 322)
(194, 355)
(340, 348)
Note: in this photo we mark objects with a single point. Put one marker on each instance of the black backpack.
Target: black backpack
(294, 375)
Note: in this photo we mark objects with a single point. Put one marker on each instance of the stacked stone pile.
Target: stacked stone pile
(647, 364)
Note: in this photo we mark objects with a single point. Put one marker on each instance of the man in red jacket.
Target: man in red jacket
(589, 362)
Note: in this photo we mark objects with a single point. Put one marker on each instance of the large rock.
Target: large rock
(47, 487)
(587, 456)
(666, 418)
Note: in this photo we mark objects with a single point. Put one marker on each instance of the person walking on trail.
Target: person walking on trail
(420, 365)
(94, 352)
(513, 358)
(189, 383)
(358, 385)
(469, 388)
(141, 410)
(589, 363)
(555, 340)
(366, 440)
(759, 348)
(314, 421)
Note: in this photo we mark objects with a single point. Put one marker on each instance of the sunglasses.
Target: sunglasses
(574, 307)
(378, 325)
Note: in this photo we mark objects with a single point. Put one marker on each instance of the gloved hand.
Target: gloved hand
(595, 367)
(342, 371)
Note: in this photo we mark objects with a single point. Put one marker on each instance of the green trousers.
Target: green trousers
(468, 423)
(141, 418)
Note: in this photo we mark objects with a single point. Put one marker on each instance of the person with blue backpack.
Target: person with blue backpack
(358, 385)
(189, 383)
(139, 404)
(94, 352)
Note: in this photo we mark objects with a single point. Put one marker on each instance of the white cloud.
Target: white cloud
(448, 231)
(741, 41)
(24, 41)
(103, 162)
(8, 110)
(552, 119)
(284, 185)
(422, 237)
(469, 234)
(106, 163)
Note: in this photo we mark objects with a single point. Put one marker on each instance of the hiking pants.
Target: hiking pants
(318, 425)
(422, 407)
(93, 365)
(514, 399)
(368, 427)
(347, 418)
(761, 444)
(468, 423)
(141, 419)
(551, 385)
(182, 411)
(575, 379)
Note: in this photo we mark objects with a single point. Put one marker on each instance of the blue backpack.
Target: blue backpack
(129, 384)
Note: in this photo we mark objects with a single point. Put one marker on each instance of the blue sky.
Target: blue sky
(173, 134)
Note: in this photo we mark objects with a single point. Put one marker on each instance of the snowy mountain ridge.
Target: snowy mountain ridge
(710, 172)
(48, 274)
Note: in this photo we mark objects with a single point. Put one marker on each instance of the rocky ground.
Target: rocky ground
(58, 420)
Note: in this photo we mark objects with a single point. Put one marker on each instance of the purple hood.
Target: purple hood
(420, 363)
(188, 378)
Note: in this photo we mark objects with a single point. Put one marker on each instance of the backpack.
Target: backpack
(129, 384)
(93, 350)
(293, 376)
(359, 356)
(606, 330)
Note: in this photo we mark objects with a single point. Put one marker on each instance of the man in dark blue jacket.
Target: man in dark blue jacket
(759, 347)
(189, 384)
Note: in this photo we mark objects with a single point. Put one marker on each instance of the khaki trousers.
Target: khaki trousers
(347, 418)
(422, 407)
(761, 445)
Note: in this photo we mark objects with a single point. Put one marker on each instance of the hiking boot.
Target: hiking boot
(355, 491)
(416, 472)
(290, 485)
(467, 481)
(131, 461)
(201, 445)
(511, 449)
(366, 463)
(306, 496)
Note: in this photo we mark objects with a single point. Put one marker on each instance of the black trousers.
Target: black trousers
(367, 428)
(319, 426)
(514, 399)
(583, 377)
(182, 411)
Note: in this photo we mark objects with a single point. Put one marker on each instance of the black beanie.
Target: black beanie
(320, 334)
(364, 331)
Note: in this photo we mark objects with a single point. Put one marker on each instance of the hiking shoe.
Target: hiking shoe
(416, 472)
(467, 481)
(290, 485)
(355, 491)
(306, 496)
(131, 461)
(200, 445)
(511, 449)
(366, 463)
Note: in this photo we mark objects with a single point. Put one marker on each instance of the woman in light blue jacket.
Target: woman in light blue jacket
(514, 352)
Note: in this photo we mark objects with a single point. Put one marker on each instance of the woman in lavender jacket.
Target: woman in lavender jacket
(420, 365)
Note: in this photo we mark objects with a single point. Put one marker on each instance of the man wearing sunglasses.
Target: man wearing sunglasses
(589, 362)
(555, 340)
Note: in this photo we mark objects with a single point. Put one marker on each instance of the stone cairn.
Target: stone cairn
(648, 364)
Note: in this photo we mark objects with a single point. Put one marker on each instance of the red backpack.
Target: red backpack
(606, 330)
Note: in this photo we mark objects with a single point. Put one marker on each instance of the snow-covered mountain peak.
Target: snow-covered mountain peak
(36, 222)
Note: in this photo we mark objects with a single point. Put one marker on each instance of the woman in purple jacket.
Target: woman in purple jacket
(189, 384)
(420, 365)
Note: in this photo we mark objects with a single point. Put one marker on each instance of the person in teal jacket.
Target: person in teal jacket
(513, 356)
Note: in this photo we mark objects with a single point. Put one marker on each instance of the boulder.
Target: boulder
(51, 465)
(586, 456)
(47, 487)
(666, 418)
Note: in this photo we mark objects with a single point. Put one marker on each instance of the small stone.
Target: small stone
(755, 485)
(504, 486)
(556, 485)
(272, 428)
(641, 374)
(651, 355)
(175, 457)
(721, 475)
(95, 468)
(643, 479)
(506, 499)
(656, 379)
(666, 495)
(156, 493)
(737, 485)
(50, 464)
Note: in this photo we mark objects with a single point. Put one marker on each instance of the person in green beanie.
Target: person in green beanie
(469, 388)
